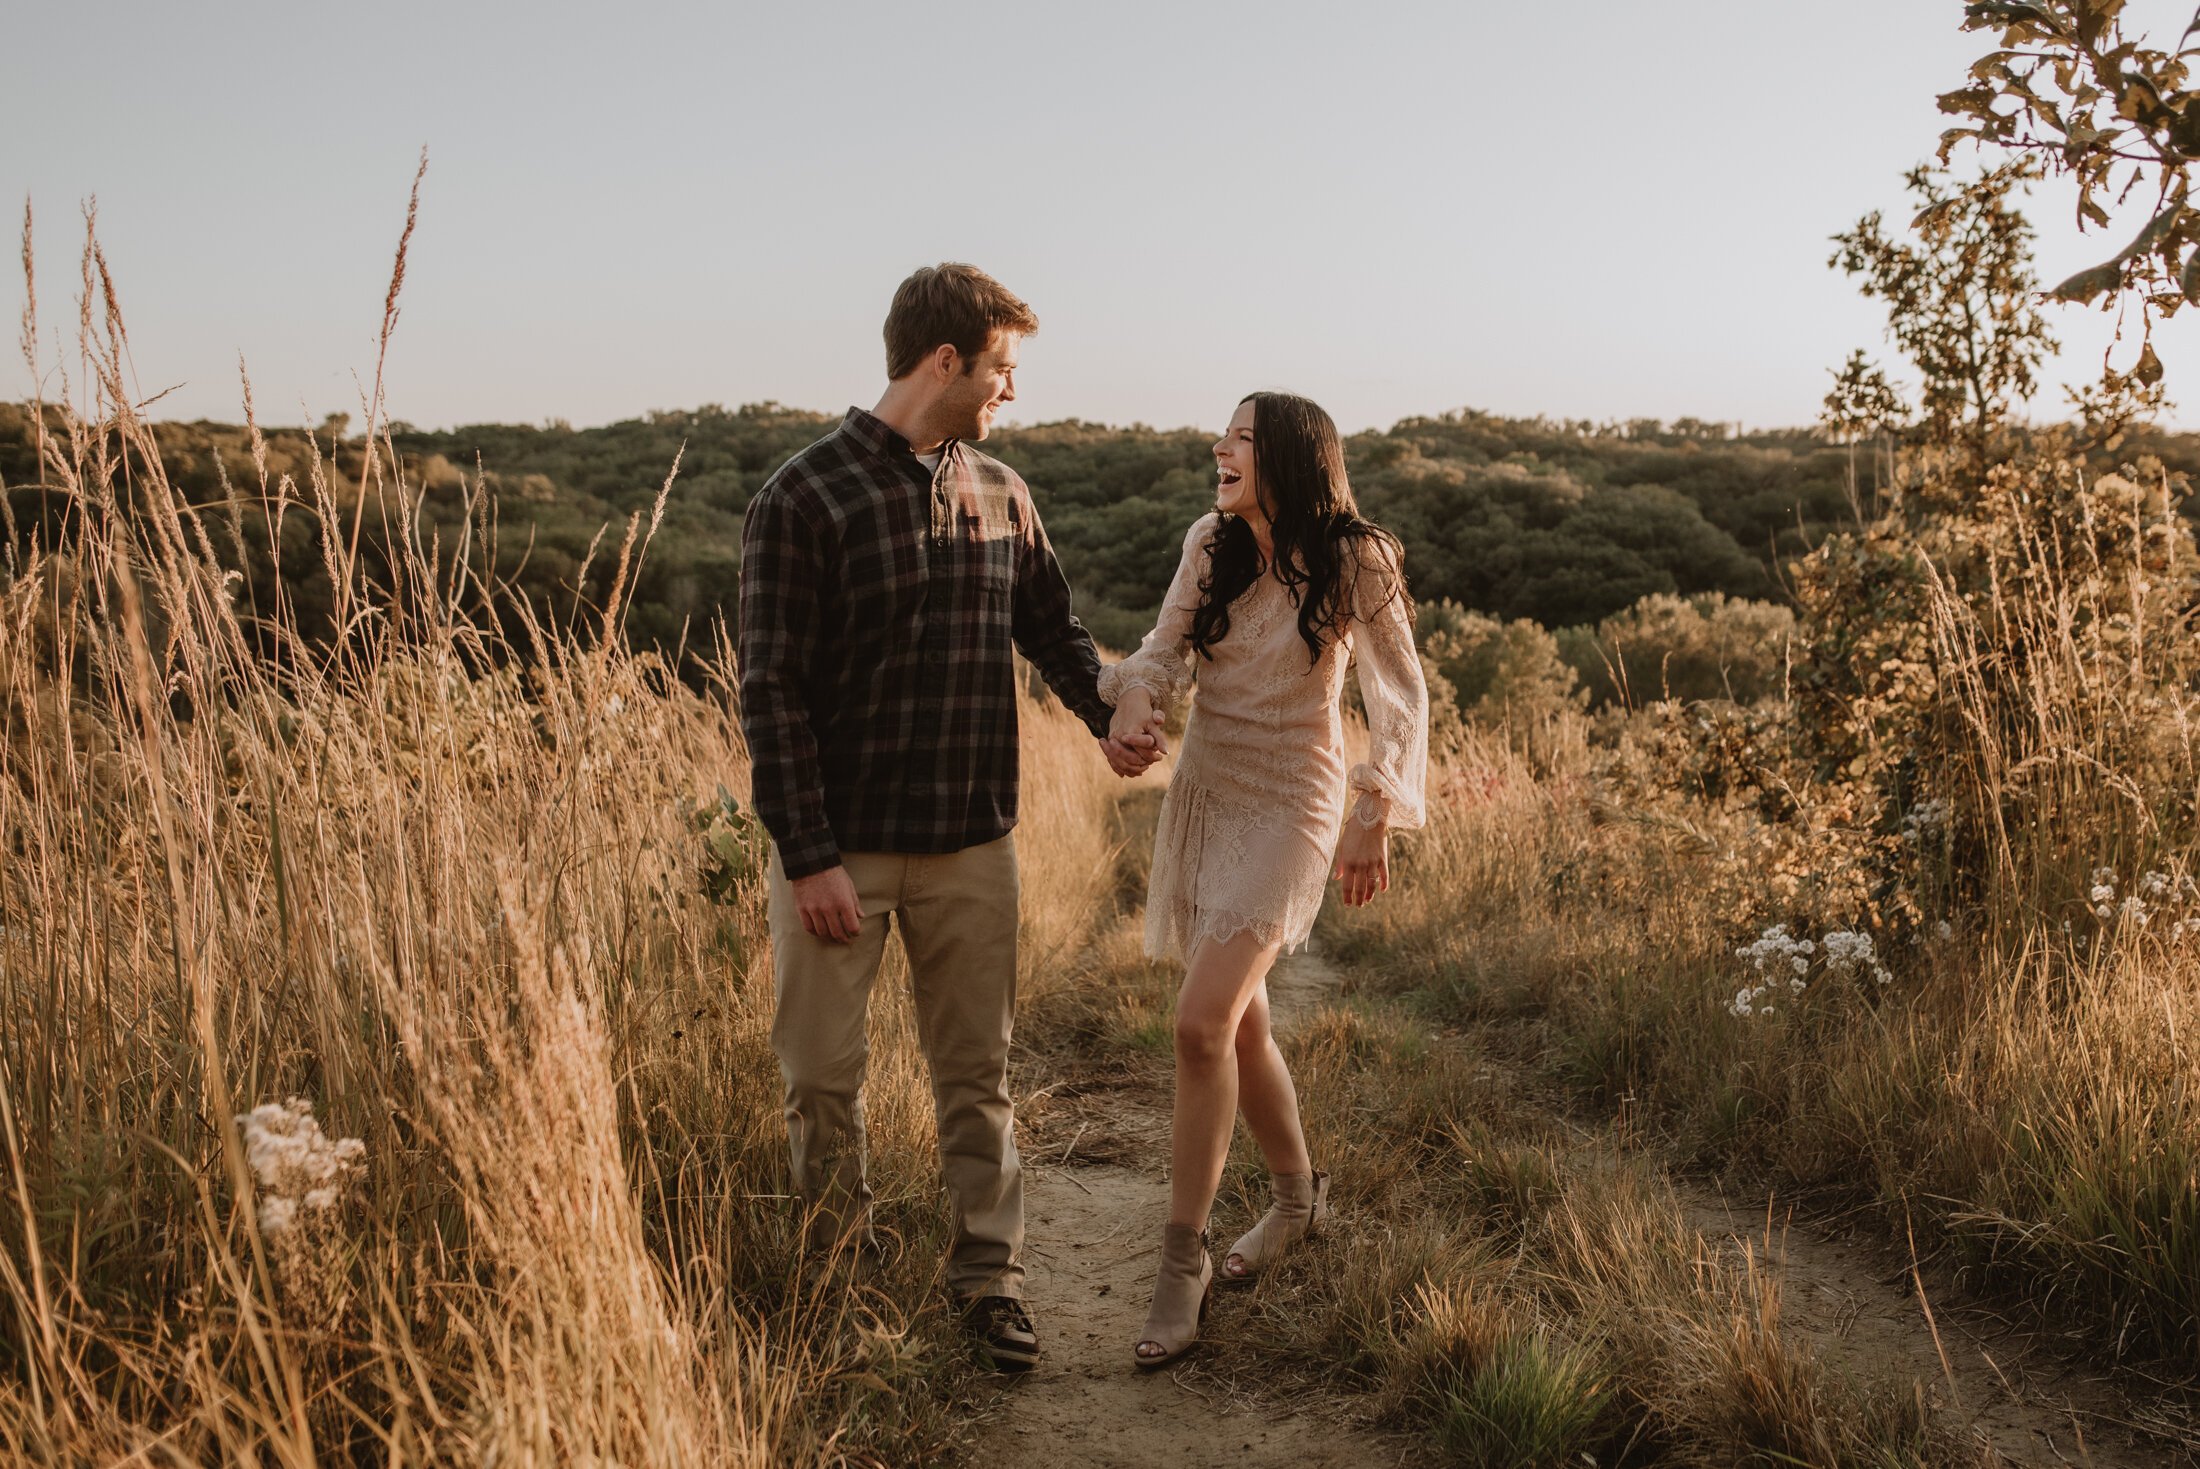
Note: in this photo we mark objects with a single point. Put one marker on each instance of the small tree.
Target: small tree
(1863, 407)
(1960, 303)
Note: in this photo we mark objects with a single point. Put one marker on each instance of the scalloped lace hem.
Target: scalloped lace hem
(1175, 928)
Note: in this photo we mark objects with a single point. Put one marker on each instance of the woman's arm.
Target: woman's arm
(1395, 695)
(1386, 791)
(1161, 668)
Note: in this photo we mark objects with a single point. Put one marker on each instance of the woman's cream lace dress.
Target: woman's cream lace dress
(1250, 824)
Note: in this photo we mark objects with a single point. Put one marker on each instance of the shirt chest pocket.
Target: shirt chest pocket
(988, 554)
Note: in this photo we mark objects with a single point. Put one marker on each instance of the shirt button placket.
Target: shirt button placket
(934, 673)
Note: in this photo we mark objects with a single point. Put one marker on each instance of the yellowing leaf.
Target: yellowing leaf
(2087, 284)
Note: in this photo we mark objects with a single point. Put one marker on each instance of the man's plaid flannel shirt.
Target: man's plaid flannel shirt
(879, 602)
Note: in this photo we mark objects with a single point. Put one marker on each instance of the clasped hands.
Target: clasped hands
(1134, 741)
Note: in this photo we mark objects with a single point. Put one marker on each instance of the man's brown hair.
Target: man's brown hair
(953, 303)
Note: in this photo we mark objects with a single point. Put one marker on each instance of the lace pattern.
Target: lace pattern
(1165, 678)
(1249, 828)
(1396, 699)
(1222, 868)
(1162, 664)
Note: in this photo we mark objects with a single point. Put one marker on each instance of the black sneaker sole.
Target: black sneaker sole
(1008, 1359)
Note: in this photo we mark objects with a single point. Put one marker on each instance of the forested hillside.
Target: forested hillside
(1562, 523)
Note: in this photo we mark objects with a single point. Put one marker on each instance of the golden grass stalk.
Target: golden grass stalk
(462, 879)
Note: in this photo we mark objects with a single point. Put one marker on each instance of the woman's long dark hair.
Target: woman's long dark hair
(1298, 469)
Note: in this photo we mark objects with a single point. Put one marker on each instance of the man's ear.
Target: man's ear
(946, 362)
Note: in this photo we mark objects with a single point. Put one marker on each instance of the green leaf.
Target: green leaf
(2005, 12)
(2185, 132)
(2157, 227)
(2148, 369)
(2087, 284)
(2191, 279)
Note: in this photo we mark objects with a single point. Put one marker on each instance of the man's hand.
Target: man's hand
(827, 902)
(1132, 756)
(1363, 861)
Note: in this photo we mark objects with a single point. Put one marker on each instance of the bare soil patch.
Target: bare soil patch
(1096, 1196)
(1873, 1313)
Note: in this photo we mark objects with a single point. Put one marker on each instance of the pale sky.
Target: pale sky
(1582, 208)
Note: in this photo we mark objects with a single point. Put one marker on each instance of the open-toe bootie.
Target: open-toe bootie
(1180, 1289)
(1300, 1199)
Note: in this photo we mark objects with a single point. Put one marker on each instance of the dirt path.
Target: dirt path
(1095, 1207)
(1864, 1309)
(1094, 1212)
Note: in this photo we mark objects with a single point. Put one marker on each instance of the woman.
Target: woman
(1276, 589)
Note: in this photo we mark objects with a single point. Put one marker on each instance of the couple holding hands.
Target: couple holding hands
(888, 573)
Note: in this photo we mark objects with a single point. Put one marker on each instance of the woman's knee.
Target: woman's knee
(1203, 1036)
(1251, 1037)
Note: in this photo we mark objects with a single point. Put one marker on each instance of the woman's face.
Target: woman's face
(1237, 485)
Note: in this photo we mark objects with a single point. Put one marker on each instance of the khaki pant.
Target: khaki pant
(957, 915)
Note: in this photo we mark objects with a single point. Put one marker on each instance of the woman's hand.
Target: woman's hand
(1363, 860)
(1134, 716)
(1133, 743)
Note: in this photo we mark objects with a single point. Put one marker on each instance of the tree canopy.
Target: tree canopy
(1561, 522)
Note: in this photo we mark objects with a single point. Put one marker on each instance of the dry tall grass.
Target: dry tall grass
(475, 897)
(2019, 1088)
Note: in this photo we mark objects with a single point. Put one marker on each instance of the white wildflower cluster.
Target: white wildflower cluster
(1925, 820)
(2153, 895)
(1777, 959)
(1780, 962)
(296, 1165)
(1851, 954)
(2103, 893)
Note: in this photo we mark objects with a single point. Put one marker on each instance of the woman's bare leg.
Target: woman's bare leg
(1220, 982)
(1265, 1094)
(1267, 1098)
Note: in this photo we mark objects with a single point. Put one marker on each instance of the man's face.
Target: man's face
(973, 398)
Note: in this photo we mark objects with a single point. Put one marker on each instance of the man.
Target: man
(886, 572)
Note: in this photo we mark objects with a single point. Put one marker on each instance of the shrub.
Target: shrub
(1686, 648)
(1504, 675)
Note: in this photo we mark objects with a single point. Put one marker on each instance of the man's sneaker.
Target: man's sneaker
(1003, 1332)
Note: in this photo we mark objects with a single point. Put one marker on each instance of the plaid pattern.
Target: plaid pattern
(878, 608)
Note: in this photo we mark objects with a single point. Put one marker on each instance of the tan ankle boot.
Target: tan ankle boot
(1179, 1295)
(1300, 1201)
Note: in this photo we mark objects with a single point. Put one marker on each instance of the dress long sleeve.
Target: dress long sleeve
(1162, 665)
(1394, 693)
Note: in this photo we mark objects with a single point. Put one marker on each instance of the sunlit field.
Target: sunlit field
(385, 1058)
(386, 1072)
(385, 987)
